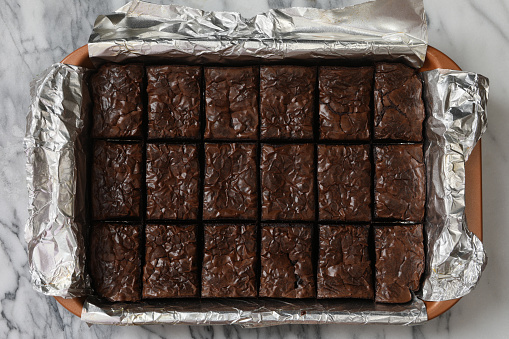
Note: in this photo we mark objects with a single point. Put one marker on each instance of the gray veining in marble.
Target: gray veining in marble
(37, 33)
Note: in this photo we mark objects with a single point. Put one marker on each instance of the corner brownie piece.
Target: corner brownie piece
(399, 262)
(173, 174)
(230, 181)
(287, 182)
(286, 261)
(345, 97)
(115, 261)
(231, 95)
(171, 262)
(173, 101)
(400, 190)
(344, 181)
(116, 180)
(286, 102)
(118, 107)
(344, 268)
(399, 109)
(229, 261)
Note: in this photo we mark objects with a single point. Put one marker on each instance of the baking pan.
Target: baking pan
(473, 195)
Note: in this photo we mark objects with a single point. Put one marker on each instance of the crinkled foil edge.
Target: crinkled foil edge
(373, 31)
(253, 312)
(456, 104)
(56, 180)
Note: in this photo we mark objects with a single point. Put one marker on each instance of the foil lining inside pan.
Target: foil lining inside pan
(56, 177)
(456, 104)
(254, 313)
(375, 30)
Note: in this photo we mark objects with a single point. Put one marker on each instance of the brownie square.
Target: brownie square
(345, 98)
(171, 262)
(344, 268)
(230, 189)
(400, 190)
(399, 109)
(173, 101)
(118, 107)
(344, 182)
(229, 261)
(286, 102)
(173, 175)
(286, 262)
(115, 261)
(116, 180)
(399, 262)
(231, 95)
(287, 182)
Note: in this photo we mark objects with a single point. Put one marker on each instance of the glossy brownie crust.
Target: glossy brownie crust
(287, 267)
(116, 180)
(287, 182)
(171, 262)
(345, 102)
(115, 262)
(286, 259)
(400, 182)
(173, 101)
(286, 102)
(231, 95)
(344, 182)
(399, 109)
(229, 261)
(399, 262)
(230, 189)
(235, 174)
(344, 267)
(118, 106)
(173, 175)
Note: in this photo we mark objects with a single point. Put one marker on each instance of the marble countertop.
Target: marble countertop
(36, 34)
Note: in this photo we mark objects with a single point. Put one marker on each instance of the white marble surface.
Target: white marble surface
(35, 34)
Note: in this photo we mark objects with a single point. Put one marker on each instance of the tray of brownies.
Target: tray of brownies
(254, 178)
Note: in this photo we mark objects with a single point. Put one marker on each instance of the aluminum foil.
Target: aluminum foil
(253, 313)
(56, 177)
(378, 30)
(456, 107)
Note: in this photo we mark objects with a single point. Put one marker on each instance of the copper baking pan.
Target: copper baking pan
(434, 59)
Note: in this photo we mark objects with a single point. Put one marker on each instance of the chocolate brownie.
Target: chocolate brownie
(344, 268)
(116, 180)
(229, 261)
(400, 190)
(344, 181)
(399, 109)
(345, 98)
(230, 181)
(231, 96)
(286, 262)
(115, 261)
(399, 262)
(287, 182)
(171, 262)
(173, 101)
(286, 102)
(118, 107)
(173, 175)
